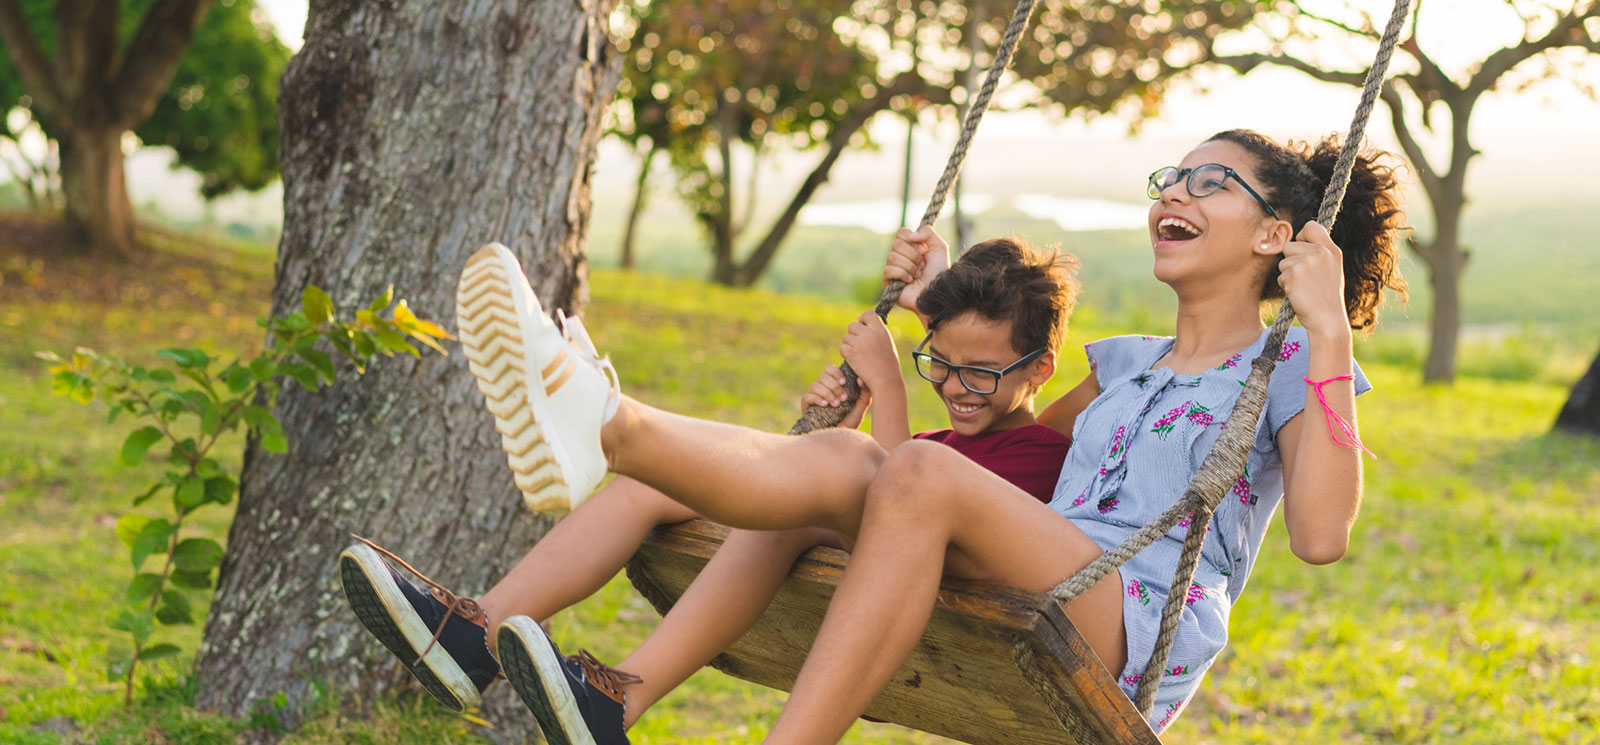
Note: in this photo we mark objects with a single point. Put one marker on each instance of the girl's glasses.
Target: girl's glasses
(980, 380)
(1203, 182)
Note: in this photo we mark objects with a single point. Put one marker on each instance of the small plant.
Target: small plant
(189, 404)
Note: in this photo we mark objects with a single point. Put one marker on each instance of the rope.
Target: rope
(1222, 466)
(824, 417)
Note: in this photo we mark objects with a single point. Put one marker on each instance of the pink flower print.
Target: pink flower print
(1172, 711)
(1136, 590)
(1196, 592)
(1116, 442)
(1184, 523)
(1241, 488)
(1232, 362)
(1132, 679)
(1165, 424)
(1175, 670)
(1200, 415)
(1289, 348)
(1150, 338)
(1107, 505)
(1084, 497)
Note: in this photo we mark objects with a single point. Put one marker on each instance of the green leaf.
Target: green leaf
(117, 665)
(210, 420)
(294, 322)
(130, 525)
(197, 555)
(237, 378)
(209, 468)
(191, 580)
(175, 610)
(163, 376)
(186, 358)
(219, 489)
(152, 539)
(317, 305)
(302, 374)
(255, 416)
(366, 344)
(263, 368)
(189, 494)
(383, 300)
(142, 588)
(138, 623)
(319, 360)
(272, 438)
(137, 444)
(112, 417)
(158, 651)
(394, 342)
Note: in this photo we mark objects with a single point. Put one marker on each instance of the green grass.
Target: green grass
(1466, 611)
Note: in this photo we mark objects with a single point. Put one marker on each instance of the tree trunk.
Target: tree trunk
(641, 188)
(98, 214)
(1581, 414)
(412, 133)
(1444, 327)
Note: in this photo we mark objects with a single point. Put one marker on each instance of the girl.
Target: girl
(1231, 228)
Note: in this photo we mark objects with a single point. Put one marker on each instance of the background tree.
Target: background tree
(750, 76)
(88, 72)
(413, 132)
(1415, 97)
(1581, 414)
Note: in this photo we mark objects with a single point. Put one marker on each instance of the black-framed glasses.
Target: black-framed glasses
(1203, 182)
(980, 380)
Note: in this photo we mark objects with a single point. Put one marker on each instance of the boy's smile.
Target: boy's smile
(972, 339)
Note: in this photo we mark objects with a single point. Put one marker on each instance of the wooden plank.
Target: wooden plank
(996, 664)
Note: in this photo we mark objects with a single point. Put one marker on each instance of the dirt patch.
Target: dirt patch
(172, 272)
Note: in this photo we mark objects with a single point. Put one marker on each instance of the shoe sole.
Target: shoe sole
(386, 613)
(489, 313)
(537, 674)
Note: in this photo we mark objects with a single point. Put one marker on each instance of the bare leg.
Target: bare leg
(742, 477)
(722, 603)
(582, 552)
(932, 510)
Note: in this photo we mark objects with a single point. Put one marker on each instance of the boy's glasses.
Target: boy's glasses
(980, 380)
(1203, 182)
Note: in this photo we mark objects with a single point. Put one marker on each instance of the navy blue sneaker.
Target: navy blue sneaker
(442, 638)
(578, 700)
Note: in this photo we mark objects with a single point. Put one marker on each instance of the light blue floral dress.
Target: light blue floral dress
(1134, 450)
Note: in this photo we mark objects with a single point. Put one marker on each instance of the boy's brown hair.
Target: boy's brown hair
(1006, 279)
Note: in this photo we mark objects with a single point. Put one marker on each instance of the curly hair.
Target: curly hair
(1293, 179)
(1006, 279)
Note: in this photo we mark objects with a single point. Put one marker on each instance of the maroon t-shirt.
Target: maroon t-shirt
(1030, 457)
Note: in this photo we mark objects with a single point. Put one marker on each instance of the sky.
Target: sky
(1529, 139)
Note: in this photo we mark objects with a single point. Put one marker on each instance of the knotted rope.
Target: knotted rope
(1223, 465)
(824, 417)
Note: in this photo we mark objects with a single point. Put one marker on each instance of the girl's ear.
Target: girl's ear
(1273, 238)
(1043, 369)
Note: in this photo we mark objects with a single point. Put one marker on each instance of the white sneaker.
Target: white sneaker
(545, 384)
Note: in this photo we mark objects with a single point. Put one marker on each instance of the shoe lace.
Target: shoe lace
(603, 676)
(454, 604)
(573, 331)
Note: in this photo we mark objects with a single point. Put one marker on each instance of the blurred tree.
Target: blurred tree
(1581, 414)
(751, 76)
(87, 72)
(1555, 38)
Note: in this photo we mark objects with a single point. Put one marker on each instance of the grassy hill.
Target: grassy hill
(1466, 612)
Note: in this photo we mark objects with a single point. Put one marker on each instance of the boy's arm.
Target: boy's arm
(915, 258)
(869, 349)
(1062, 413)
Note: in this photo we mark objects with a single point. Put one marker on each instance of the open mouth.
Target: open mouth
(963, 410)
(1176, 229)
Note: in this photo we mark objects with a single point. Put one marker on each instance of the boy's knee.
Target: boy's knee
(855, 449)
(904, 479)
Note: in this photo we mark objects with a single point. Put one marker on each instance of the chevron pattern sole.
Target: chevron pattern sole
(492, 337)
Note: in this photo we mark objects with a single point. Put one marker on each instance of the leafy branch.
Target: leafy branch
(189, 404)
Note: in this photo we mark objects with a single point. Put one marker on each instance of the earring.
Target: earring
(1263, 246)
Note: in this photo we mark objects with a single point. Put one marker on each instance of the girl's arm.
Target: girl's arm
(1062, 413)
(1322, 478)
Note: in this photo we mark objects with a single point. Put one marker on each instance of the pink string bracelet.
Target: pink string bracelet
(1333, 417)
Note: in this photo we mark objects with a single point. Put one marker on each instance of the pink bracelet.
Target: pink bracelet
(1333, 417)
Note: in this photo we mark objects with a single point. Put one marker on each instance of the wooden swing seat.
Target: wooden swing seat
(996, 665)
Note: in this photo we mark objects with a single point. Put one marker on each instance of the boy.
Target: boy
(996, 319)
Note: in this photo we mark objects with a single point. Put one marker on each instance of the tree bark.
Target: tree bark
(412, 133)
(1581, 414)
